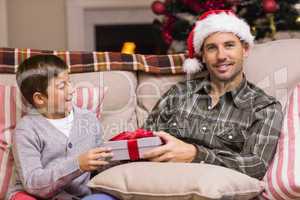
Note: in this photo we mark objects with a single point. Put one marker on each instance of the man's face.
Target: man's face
(223, 53)
(60, 94)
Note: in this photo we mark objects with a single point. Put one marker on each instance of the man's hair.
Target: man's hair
(33, 74)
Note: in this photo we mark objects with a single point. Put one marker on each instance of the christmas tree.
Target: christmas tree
(264, 16)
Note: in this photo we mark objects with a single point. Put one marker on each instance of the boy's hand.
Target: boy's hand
(94, 158)
(174, 150)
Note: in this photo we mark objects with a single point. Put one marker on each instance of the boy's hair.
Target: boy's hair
(33, 74)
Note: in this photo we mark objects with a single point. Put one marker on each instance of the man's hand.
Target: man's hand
(94, 158)
(174, 150)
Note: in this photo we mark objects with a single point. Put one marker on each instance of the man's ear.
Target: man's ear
(246, 49)
(38, 99)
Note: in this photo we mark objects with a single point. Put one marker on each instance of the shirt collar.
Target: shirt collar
(241, 95)
(204, 86)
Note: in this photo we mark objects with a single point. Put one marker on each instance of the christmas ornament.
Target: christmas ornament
(158, 7)
(167, 29)
(167, 37)
(270, 6)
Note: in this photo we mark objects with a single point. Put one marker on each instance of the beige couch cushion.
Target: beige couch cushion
(175, 181)
(118, 111)
(7, 79)
(275, 67)
(150, 88)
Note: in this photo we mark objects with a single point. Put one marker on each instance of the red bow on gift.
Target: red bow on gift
(128, 135)
(131, 138)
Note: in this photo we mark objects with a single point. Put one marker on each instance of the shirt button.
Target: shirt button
(70, 145)
(204, 128)
(229, 137)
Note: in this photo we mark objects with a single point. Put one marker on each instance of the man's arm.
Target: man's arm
(258, 150)
(253, 160)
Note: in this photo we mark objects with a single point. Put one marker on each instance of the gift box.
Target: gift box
(131, 145)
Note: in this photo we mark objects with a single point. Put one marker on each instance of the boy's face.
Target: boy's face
(58, 104)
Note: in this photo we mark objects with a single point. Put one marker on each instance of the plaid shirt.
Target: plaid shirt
(240, 132)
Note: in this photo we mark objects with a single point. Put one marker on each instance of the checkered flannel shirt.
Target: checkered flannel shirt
(240, 132)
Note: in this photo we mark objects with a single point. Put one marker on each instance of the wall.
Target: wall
(42, 24)
(3, 23)
(36, 24)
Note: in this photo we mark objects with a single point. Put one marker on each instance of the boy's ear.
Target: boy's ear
(38, 99)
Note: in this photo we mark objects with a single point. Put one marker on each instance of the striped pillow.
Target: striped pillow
(283, 176)
(11, 110)
(8, 115)
(90, 98)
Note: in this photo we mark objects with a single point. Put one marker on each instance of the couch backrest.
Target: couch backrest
(275, 67)
(131, 95)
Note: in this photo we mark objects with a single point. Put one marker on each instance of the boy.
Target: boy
(55, 144)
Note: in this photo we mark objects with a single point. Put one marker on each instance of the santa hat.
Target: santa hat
(210, 22)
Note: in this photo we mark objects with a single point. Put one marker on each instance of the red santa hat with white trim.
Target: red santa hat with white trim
(211, 22)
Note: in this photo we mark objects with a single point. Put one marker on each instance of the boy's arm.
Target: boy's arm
(37, 180)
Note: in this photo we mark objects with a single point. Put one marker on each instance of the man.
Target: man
(220, 119)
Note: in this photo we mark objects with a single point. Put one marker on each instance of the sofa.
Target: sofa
(134, 83)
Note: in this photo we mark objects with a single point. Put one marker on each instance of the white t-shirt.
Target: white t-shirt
(64, 125)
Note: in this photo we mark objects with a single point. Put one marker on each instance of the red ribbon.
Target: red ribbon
(131, 138)
(128, 135)
(133, 149)
(22, 196)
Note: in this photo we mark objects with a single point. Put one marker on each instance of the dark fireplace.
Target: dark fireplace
(147, 39)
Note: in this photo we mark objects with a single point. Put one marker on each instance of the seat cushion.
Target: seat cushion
(175, 181)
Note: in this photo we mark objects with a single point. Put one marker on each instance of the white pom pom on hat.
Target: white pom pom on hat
(211, 22)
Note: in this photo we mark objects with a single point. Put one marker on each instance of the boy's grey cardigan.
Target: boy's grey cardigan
(46, 160)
